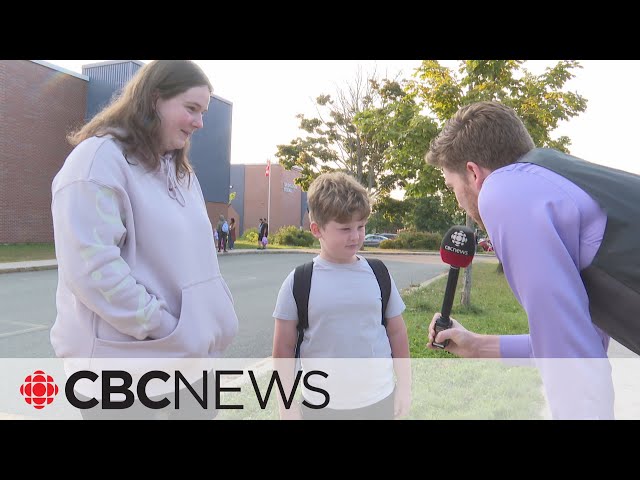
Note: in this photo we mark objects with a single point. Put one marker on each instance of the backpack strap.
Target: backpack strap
(301, 289)
(384, 281)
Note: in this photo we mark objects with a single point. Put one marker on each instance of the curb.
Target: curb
(34, 268)
(17, 267)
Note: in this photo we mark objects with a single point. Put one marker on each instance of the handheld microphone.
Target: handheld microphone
(457, 250)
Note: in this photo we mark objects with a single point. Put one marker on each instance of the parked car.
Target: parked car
(485, 244)
(390, 236)
(373, 240)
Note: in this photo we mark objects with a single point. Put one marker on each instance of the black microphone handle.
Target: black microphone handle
(444, 322)
(449, 293)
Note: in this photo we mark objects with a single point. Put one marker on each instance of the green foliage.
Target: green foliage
(433, 214)
(336, 139)
(389, 215)
(293, 236)
(425, 241)
(538, 99)
(424, 214)
(19, 252)
(389, 244)
(420, 240)
(398, 127)
(379, 223)
(495, 311)
(250, 235)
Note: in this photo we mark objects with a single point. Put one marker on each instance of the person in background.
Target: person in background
(137, 278)
(232, 233)
(260, 234)
(223, 234)
(565, 231)
(264, 233)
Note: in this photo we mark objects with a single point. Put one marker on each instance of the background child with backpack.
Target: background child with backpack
(344, 314)
(223, 233)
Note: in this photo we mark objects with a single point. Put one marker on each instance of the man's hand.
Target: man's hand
(462, 342)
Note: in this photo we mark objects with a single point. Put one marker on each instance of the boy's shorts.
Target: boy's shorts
(382, 410)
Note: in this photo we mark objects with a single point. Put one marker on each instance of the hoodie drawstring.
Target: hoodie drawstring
(172, 182)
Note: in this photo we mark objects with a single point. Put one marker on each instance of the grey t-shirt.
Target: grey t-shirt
(345, 324)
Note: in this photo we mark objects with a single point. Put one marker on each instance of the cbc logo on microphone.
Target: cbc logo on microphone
(458, 238)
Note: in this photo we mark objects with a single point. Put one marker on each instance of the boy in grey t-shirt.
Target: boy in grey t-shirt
(345, 337)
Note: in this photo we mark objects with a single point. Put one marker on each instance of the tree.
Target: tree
(429, 214)
(334, 140)
(389, 215)
(538, 99)
(421, 214)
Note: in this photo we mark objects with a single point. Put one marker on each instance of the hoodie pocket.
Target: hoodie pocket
(226, 320)
(207, 323)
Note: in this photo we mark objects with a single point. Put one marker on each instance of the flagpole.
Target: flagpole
(269, 197)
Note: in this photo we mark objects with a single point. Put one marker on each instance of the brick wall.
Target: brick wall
(38, 107)
(286, 198)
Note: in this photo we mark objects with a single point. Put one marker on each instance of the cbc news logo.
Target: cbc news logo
(39, 389)
(458, 238)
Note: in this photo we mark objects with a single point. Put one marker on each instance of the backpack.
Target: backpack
(302, 287)
(225, 227)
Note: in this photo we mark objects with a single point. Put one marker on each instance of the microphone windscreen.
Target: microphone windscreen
(458, 246)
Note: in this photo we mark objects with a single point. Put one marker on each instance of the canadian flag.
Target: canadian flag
(266, 172)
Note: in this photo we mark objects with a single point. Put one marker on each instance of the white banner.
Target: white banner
(417, 389)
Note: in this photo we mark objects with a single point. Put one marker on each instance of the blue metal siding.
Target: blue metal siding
(104, 82)
(303, 206)
(237, 181)
(211, 152)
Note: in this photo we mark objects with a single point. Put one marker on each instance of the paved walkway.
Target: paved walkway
(28, 266)
(31, 265)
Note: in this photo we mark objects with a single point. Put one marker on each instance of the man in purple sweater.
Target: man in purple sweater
(547, 231)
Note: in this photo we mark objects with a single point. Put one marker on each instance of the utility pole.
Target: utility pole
(268, 174)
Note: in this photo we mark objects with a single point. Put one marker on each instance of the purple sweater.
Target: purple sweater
(545, 230)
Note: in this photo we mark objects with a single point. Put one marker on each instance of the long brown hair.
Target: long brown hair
(131, 116)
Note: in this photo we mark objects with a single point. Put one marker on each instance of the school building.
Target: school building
(40, 103)
(260, 196)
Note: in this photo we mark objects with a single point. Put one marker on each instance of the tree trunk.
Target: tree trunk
(465, 297)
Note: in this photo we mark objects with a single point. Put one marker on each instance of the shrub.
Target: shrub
(415, 241)
(292, 236)
(250, 235)
(390, 244)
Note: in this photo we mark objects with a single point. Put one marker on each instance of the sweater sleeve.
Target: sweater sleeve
(535, 228)
(89, 228)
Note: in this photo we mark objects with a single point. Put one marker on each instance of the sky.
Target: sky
(268, 94)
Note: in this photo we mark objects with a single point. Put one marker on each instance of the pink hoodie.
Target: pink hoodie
(138, 275)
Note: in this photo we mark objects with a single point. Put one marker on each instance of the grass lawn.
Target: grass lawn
(445, 387)
(17, 252)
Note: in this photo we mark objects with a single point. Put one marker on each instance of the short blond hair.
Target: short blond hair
(336, 196)
(487, 133)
